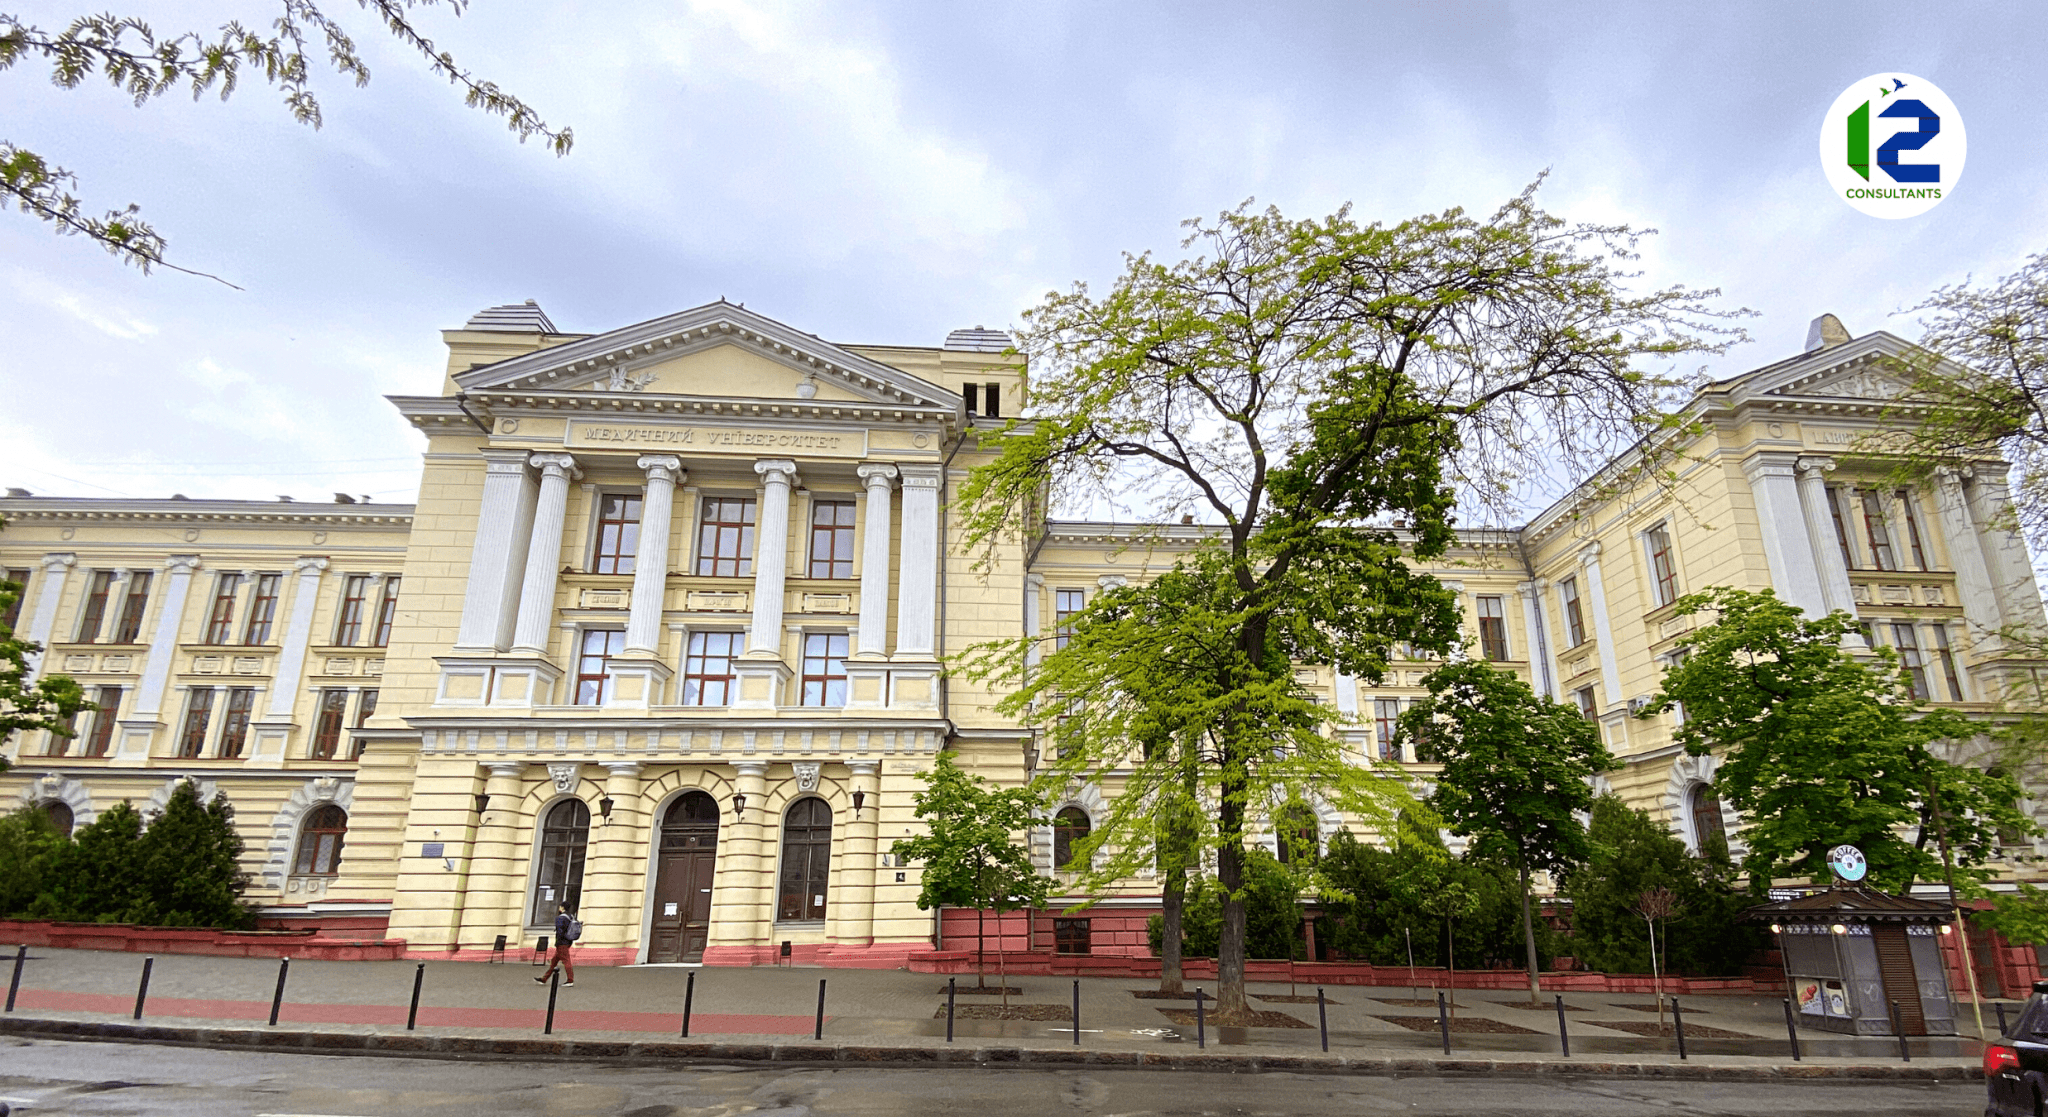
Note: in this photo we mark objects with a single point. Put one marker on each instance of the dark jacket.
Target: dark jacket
(562, 928)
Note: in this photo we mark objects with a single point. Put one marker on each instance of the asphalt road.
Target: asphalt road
(95, 1079)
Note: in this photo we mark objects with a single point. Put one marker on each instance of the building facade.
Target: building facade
(677, 601)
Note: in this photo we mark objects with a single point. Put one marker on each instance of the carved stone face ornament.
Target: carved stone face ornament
(806, 776)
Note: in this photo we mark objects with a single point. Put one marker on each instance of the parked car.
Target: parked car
(2016, 1063)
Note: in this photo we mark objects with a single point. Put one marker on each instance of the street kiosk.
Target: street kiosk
(1851, 954)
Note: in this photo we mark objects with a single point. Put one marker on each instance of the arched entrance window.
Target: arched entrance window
(806, 860)
(683, 874)
(60, 816)
(1068, 826)
(1705, 807)
(320, 837)
(1295, 831)
(564, 835)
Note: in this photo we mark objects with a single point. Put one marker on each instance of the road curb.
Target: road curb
(408, 1045)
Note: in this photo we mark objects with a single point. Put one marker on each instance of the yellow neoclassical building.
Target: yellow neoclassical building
(665, 635)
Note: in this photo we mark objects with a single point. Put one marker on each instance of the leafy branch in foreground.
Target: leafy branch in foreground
(143, 65)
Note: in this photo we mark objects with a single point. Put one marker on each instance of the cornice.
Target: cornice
(435, 412)
(86, 510)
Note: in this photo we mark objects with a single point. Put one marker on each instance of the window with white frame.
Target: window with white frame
(1493, 627)
(1066, 604)
(1945, 658)
(618, 533)
(1574, 616)
(1386, 725)
(725, 538)
(594, 655)
(707, 667)
(1906, 640)
(824, 675)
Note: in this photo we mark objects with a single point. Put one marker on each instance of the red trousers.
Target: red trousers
(560, 958)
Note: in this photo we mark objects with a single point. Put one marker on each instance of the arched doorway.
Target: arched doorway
(685, 860)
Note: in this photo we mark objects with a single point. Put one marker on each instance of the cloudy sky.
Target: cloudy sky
(887, 172)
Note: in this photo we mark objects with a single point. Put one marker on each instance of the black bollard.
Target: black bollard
(818, 1032)
(21, 956)
(1201, 1022)
(554, 985)
(412, 1015)
(1443, 1022)
(1323, 1019)
(1791, 1029)
(1905, 1054)
(951, 982)
(1564, 1036)
(689, 994)
(1077, 1013)
(142, 990)
(284, 966)
(1678, 1027)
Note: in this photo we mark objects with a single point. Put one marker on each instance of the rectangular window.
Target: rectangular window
(134, 603)
(1065, 604)
(1873, 526)
(19, 576)
(348, 620)
(101, 736)
(594, 664)
(95, 611)
(1574, 619)
(725, 538)
(262, 610)
(1946, 656)
(327, 723)
(972, 394)
(1869, 633)
(387, 611)
(707, 668)
(1663, 567)
(1071, 936)
(824, 677)
(198, 716)
(1386, 713)
(1588, 708)
(59, 744)
(234, 722)
(1912, 522)
(618, 533)
(1909, 658)
(366, 707)
(220, 620)
(1493, 628)
(1841, 531)
(992, 400)
(831, 539)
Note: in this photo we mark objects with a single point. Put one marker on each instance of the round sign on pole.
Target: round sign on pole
(1848, 863)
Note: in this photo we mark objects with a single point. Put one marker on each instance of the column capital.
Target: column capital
(506, 461)
(776, 471)
(921, 476)
(666, 467)
(1589, 555)
(876, 475)
(53, 563)
(1954, 474)
(1112, 581)
(751, 767)
(1816, 466)
(308, 562)
(1769, 463)
(556, 465)
(864, 767)
(622, 768)
(1035, 581)
(1526, 589)
(506, 770)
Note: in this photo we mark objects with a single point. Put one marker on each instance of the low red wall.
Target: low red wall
(188, 940)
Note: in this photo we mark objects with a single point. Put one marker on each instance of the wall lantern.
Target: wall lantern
(604, 809)
(483, 802)
(1839, 929)
(859, 797)
(739, 804)
(1947, 930)
(1775, 929)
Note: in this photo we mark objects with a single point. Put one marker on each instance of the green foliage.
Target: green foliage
(1633, 853)
(96, 876)
(188, 866)
(1272, 913)
(1404, 895)
(969, 851)
(180, 870)
(2021, 916)
(29, 847)
(1820, 747)
(50, 702)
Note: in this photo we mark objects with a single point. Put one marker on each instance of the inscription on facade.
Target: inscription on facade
(721, 440)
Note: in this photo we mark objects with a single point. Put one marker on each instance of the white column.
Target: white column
(650, 565)
(291, 660)
(1820, 531)
(544, 553)
(1603, 629)
(917, 576)
(2005, 553)
(497, 559)
(163, 643)
(1787, 549)
(49, 594)
(1537, 639)
(1034, 591)
(1973, 574)
(874, 560)
(771, 556)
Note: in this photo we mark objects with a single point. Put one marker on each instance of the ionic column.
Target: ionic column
(771, 557)
(853, 909)
(874, 561)
(1966, 554)
(918, 571)
(1820, 532)
(50, 594)
(612, 886)
(745, 883)
(1538, 639)
(497, 558)
(650, 565)
(1603, 629)
(1787, 548)
(544, 553)
(298, 636)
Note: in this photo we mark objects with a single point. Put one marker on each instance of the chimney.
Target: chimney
(1826, 332)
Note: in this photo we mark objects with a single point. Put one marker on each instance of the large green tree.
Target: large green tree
(1301, 386)
(1822, 745)
(144, 64)
(1517, 772)
(189, 871)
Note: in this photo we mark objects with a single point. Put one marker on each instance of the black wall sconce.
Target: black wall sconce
(604, 809)
(739, 804)
(483, 802)
(859, 797)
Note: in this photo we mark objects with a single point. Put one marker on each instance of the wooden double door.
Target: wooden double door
(686, 861)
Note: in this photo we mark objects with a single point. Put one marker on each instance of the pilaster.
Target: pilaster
(853, 908)
(544, 553)
(145, 713)
(918, 564)
(745, 883)
(612, 883)
(497, 557)
(1966, 554)
(49, 595)
(1537, 637)
(1787, 547)
(1603, 627)
(496, 875)
(1833, 569)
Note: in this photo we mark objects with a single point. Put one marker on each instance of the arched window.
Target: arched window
(60, 816)
(1068, 826)
(564, 835)
(693, 813)
(320, 842)
(1705, 807)
(1296, 835)
(806, 860)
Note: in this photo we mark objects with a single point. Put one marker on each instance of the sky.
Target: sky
(884, 173)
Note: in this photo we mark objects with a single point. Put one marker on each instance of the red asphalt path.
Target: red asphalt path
(581, 1020)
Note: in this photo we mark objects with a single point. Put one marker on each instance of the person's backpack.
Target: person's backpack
(575, 930)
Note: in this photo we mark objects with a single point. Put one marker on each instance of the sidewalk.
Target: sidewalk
(888, 1015)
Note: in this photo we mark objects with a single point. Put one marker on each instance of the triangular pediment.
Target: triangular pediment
(1862, 369)
(719, 351)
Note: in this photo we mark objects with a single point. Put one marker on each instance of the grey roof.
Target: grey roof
(979, 339)
(512, 318)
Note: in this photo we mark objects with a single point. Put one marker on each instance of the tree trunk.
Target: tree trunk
(1172, 899)
(1529, 938)
(1230, 1002)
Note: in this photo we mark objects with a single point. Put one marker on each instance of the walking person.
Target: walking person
(567, 930)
